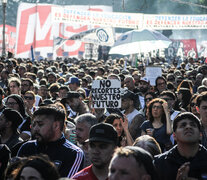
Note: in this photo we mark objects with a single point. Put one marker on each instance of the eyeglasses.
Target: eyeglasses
(11, 103)
(148, 99)
(28, 97)
(156, 107)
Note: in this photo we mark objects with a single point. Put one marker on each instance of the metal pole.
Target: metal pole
(3, 32)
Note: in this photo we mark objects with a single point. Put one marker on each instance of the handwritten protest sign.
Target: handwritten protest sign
(106, 93)
(152, 73)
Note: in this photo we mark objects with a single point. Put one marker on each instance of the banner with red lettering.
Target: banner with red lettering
(10, 38)
(35, 28)
(182, 48)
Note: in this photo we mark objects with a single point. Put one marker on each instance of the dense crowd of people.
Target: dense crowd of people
(49, 130)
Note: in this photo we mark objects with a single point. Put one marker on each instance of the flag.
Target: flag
(136, 62)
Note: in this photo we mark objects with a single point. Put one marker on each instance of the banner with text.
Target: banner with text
(129, 20)
(182, 48)
(35, 28)
(106, 93)
(161, 21)
(112, 19)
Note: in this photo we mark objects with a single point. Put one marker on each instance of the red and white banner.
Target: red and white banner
(106, 19)
(35, 28)
(182, 48)
(174, 21)
(10, 38)
(129, 20)
(190, 47)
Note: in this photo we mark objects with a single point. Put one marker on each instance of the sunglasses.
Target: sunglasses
(28, 98)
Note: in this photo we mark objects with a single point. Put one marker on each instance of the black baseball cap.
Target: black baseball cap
(127, 94)
(103, 132)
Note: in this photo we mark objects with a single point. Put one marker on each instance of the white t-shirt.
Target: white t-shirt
(131, 115)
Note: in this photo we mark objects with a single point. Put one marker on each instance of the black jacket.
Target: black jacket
(5, 155)
(168, 163)
(13, 140)
(67, 157)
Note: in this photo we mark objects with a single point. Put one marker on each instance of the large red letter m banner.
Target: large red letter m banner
(35, 28)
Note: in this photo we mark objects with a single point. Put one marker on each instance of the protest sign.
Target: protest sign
(152, 72)
(106, 93)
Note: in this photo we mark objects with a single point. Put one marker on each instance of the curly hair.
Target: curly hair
(149, 110)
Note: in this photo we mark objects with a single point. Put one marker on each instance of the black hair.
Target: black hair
(43, 165)
(52, 110)
(19, 100)
(186, 115)
(150, 93)
(149, 107)
(186, 96)
(28, 80)
(160, 77)
(169, 94)
(201, 97)
(63, 87)
(110, 119)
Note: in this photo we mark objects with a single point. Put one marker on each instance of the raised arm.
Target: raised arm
(168, 120)
(124, 124)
